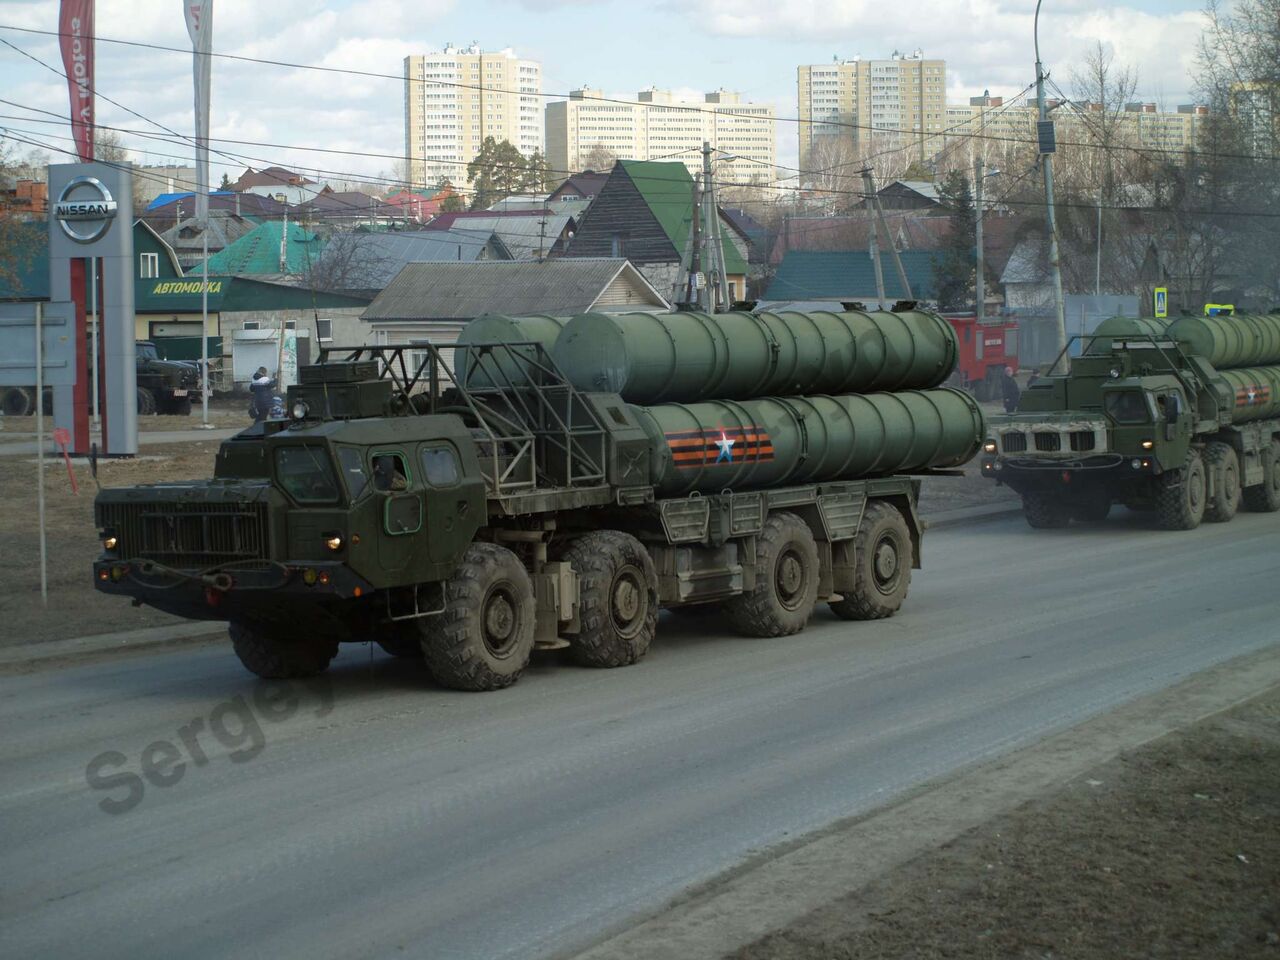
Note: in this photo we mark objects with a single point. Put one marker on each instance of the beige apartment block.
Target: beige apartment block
(988, 126)
(658, 126)
(456, 98)
(873, 104)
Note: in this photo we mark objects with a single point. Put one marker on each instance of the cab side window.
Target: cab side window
(440, 466)
(389, 472)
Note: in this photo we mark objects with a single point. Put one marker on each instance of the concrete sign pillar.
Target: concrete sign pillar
(91, 215)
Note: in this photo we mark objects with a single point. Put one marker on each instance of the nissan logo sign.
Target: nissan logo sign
(85, 209)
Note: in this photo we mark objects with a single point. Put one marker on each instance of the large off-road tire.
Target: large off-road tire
(617, 598)
(1222, 467)
(146, 402)
(882, 561)
(280, 658)
(484, 637)
(1091, 507)
(179, 407)
(17, 402)
(786, 581)
(1045, 511)
(1265, 496)
(1180, 495)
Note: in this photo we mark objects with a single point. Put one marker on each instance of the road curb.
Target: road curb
(179, 635)
(780, 886)
(148, 639)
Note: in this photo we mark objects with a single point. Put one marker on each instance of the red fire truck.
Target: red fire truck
(985, 350)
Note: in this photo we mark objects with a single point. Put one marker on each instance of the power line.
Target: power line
(400, 78)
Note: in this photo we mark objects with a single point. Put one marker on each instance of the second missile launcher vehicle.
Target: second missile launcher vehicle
(1182, 419)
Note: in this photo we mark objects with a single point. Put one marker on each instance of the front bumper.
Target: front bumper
(1106, 468)
(290, 592)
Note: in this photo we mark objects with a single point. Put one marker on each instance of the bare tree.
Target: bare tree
(351, 261)
(599, 158)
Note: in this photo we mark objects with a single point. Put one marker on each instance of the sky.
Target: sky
(749, 46)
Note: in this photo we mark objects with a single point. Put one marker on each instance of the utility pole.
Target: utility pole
(1097, 265)
(1045, 131)
(980, 286)
(873, 245)
(696, 263)
(713, 234)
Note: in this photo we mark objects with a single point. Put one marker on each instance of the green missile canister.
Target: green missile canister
(498, 328)
(731, 445)
(1255, 392)
(1228, 340)
(683, 357)
(1114, 328)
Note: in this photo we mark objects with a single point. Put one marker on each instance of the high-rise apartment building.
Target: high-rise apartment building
(872, 104)
(995, 127)
(587, 128)
(456, 98)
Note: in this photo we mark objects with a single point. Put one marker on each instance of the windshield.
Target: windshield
(1128, 406)
(305, 474)
(147, 351)
(353, 471)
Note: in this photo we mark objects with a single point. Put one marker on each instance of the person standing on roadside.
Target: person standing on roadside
(260, 387)
(1009, 391)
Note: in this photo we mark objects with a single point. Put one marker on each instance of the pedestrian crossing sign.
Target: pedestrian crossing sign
(1162, 301)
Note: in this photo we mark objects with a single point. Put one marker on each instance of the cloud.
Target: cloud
(986, 44)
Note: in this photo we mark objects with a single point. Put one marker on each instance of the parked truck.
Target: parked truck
(163, 386)
(545, 484)
(1180, 418)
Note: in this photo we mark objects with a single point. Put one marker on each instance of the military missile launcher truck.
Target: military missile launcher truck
(468, 503)
(1179, 418)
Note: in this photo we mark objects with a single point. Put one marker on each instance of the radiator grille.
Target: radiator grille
(1082, 441)
(188, 534)
(1014, 442)
(1048, 442)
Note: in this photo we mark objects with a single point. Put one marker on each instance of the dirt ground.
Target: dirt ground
(1169, 851)
(953, 493)
(75, 609)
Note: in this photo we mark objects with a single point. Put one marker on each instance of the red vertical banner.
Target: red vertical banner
(75, 35)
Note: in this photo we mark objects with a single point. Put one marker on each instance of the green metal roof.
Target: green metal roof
(258, 252)
(849, 275)
(667, 190)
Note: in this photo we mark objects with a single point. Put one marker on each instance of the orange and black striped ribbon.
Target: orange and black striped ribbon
(708, 448)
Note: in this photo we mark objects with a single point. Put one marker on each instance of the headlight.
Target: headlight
(989, 447)
(299, 410)
(1147, 444)
(110, 541)
(333, 541)
(1115, 373)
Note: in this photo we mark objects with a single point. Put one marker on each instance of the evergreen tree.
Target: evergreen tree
(537, 178)
(226, 183)
(954, 264)
(497, 172)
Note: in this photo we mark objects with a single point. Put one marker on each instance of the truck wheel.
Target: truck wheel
(17, 402)
(146, 402)
(177, 407)
(617, 598)
(786, 585)
(1222, 464)
(484, 638)
(1093, 507)
(1180, 496)
(1044, 511)
(1265, 496)
(280, 658)
(882, 562)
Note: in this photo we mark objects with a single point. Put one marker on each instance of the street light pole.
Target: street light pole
(980, 287)
(1055, 263)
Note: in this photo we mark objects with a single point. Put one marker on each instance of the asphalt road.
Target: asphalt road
(375, 815)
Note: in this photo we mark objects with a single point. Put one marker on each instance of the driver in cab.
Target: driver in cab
(387, 475)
